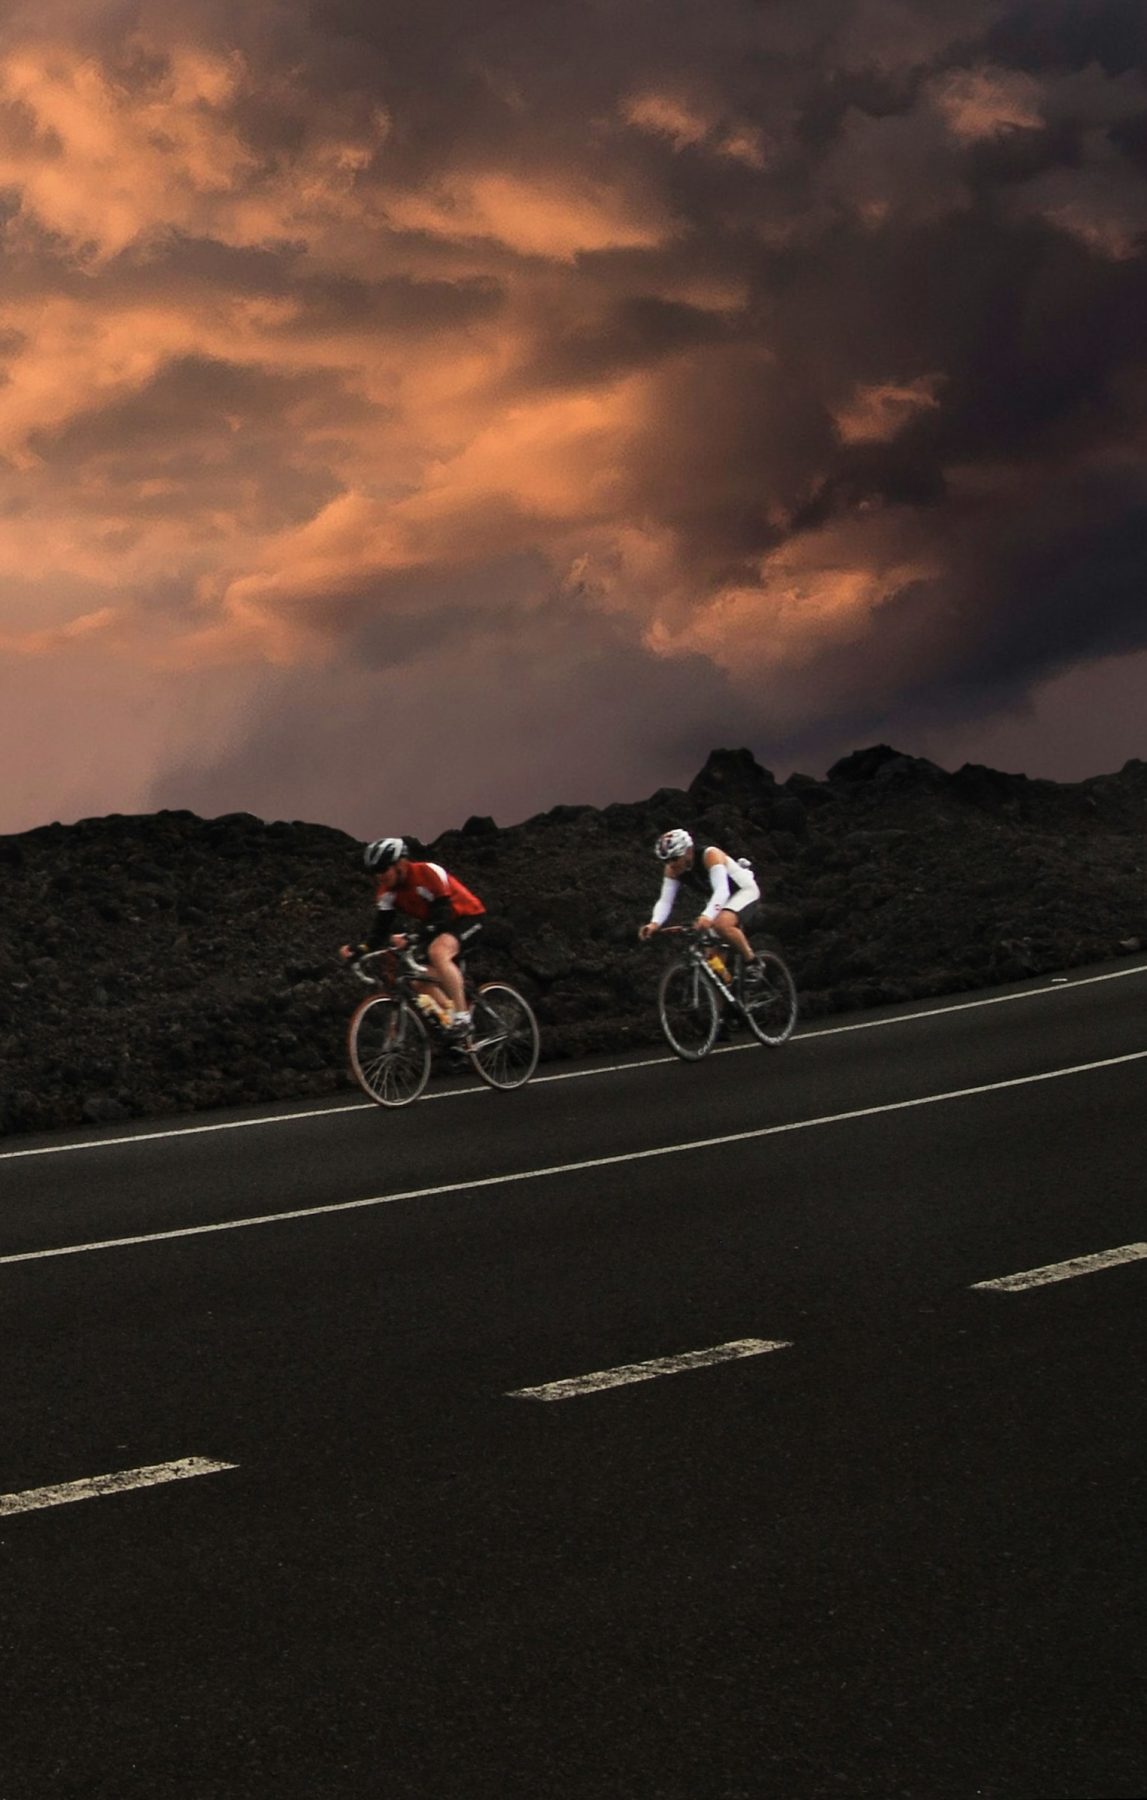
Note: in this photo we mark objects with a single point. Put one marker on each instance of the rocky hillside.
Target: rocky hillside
(161, 963)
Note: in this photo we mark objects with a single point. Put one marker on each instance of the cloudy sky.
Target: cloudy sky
(411, 410)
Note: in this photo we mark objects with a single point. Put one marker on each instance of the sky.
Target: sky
(411, 411)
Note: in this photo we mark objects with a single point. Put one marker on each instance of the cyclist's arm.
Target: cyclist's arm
(665, 899)
(384, 923)
(719, 882)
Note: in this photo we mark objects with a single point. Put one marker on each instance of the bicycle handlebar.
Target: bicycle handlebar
(406, 959)
(355, 965)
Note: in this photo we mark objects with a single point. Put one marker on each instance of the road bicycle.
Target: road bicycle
(393, 1032)
(699, 985)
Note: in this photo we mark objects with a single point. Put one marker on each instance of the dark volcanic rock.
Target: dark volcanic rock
(881, 763)
(162, 963)
(732, 777)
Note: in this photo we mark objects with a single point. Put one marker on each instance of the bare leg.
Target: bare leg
(448, 975)
(725, 925)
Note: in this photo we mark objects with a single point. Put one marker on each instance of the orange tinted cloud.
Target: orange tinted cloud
(100, 163)
(1100, 202)
(690, 123)
(547, 216)
(877, 414)
(670, 116)
(105, 162)
(983, 102)
(43, 643)
(821, 590)
(538, 474)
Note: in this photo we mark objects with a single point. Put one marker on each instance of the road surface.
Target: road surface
(649, 1432)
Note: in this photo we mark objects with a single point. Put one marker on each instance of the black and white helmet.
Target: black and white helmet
(383, 853)
(672, 844)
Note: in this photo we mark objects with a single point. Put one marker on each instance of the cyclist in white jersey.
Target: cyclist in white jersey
(730, 889)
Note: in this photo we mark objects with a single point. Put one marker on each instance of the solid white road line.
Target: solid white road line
(649, 1371)
(179, 1131)
(313, 1112)
(1063, 1271)
(570, 1168)
(652, 1062)
(97, 1485)
(935, 1012)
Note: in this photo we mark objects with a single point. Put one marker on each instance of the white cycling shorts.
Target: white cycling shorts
(741, 897)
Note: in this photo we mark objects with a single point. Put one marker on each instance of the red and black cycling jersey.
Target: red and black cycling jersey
(429, 893)
(424, 886)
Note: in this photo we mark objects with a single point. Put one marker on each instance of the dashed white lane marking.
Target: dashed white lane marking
(651, 1062)
(97, 1485)
(1063, 1271)
(649, 1371)
(570, 1168)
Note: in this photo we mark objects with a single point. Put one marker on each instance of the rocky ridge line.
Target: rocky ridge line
(160, 963)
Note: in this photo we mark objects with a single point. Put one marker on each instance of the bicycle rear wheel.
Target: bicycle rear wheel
(389, 1050)
(504, 1037)
(687, 1008)
(770, 1002)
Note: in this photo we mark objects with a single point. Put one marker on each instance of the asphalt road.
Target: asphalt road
(899, 1552)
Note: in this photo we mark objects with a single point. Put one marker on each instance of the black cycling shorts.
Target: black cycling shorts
(466, 927)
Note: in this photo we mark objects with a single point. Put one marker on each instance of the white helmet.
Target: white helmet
(672, 844)
(383, 853)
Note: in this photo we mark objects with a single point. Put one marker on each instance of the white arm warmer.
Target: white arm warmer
(665, 900)
(719, 878)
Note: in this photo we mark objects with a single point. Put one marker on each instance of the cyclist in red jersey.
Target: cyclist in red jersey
(426, 892)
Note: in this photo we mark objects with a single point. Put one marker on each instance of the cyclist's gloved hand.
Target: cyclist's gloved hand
(351, 952)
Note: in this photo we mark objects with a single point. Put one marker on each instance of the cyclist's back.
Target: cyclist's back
(422, 889)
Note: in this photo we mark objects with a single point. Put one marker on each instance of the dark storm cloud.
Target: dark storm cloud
(1056, 34)
(397, 305)
(628, 334)
(189, 398)
(485, 727)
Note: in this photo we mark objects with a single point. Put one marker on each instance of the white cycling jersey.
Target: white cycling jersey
(732, 886)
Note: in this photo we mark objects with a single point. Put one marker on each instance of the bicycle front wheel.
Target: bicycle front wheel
(687, 1008)
(504, 1037)
(770, 1001)
(389, 1050)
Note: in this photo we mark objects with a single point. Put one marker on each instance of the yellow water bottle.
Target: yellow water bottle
(433, 1013)
(717, 963)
